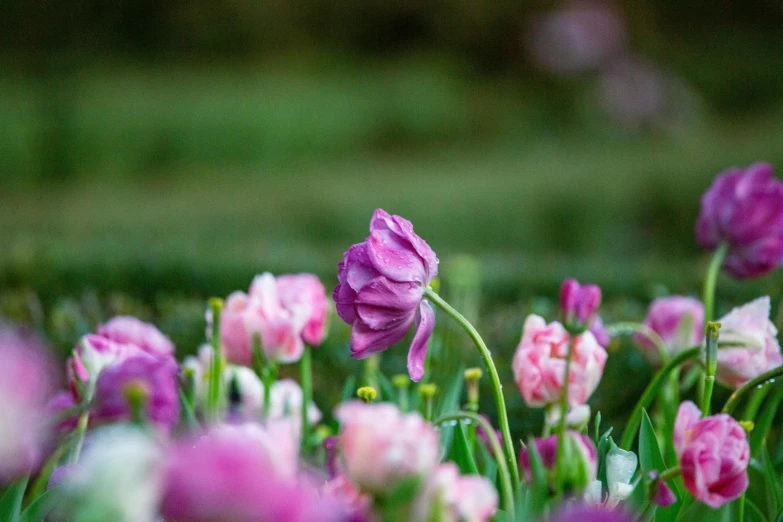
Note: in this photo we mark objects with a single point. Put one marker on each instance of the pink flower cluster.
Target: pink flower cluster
(282, 313)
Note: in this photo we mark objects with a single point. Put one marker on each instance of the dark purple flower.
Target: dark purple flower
(381, 288)
(155, 377)
(584, 459)
(579, 302)
(584, 513)
(744, 208)
(660, 493)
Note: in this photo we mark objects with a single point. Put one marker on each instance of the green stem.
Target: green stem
(508, 444)
(505, 476)
(741, 507)
(670, 474)
(749, 386)
(306, 367)
(629, 328)
(81, 432)
(563, 411)
(710, 366)
(652, 391)
(711, 279)
(215, 366)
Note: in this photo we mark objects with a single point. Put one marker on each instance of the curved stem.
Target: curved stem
(505, 477)
(652, 390)
(629, 328)
(710, 365)
(710, 280)
(737, 396)
(508, 444)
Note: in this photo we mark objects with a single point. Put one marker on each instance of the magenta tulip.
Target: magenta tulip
(381, 288)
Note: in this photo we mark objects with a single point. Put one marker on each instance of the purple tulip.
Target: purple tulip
(744, 208)
(381, 288)
(661, 494)
(584, 469)
(579, 302)
(667, 317)
(157, 379)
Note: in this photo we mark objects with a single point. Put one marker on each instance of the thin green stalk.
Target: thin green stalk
(629, 328)
(306, 367)
(497, 451)
(741, 507)
(670, 474)
(81, 432)
(215, 364)
(746, 388)
(563, 413)
(710, 366)
(508, 444)
(652, 391)
(711, 279)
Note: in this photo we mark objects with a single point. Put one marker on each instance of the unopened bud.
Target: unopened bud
(472, 376)
(427, 391)
(136, 394)
(401, 380)
(367, 393)
(747, 425)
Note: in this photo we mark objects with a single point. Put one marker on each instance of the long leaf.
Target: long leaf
(40, 507)
(11, 501)
(650, 459)
(460, 453)
(764, 421)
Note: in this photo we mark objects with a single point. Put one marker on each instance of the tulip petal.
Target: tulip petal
(366, 341)
(383, 303)
(418, 350)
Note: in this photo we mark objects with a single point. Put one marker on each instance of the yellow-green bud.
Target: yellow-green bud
(428, 390)
(215, 304)
(367, 393)
(473, 374)
(747, 425)
(401, 381)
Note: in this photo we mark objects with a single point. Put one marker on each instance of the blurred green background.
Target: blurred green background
(153, 153)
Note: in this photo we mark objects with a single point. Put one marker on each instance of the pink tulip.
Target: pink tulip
(381, 447)
(449, 497)
(91, 356)
(381, 289)
(303, 294)
(667, 317)
(126, 329)
(26, 383)
(748, 344)
(261, 314)
(540, 360)
(713, 453)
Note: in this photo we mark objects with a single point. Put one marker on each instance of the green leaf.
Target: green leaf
(461, 453)
(11, 501)
(387, 390)
(649, 452)
(753, 513)
(537, 491)
(486, 462)
(764, 423)
(603, 448)
(349, 388)
(698, 512)
(40, 507)
(772, 487)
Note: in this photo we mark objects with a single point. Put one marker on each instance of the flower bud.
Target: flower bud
(660, 493)
(578, 452)
(366, 393)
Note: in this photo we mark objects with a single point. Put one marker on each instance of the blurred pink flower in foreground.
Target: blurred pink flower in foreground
(678, 321)
(580, 36)
(381, 288)
(540, 360)
(744, 208)
(713, 453)
(154, 379)
(748, 344)
(228, 476)
(26, 383)
(449, 497)
(381, 447)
